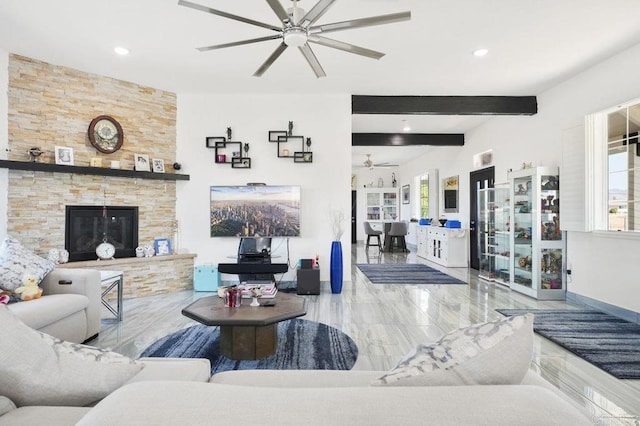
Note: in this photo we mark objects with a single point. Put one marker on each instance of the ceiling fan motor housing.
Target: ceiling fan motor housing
(295, 35)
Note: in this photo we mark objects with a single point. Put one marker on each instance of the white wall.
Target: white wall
(325, 183)
(603, 268)
(4, 139)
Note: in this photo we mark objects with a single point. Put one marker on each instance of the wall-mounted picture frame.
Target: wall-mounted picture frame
(162, 246)
(64, 155)
(406, 195)
(142, 163)
(450, 194)
(157, 165)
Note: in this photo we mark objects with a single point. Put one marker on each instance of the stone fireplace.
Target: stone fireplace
(88, 226)
(51, 106)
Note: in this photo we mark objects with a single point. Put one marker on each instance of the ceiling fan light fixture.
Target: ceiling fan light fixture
(295, 37)
(480, 52)
(122, 51)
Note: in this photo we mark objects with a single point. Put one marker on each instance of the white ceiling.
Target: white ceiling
(533, 45)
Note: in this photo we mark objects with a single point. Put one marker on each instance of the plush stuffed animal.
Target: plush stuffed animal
(29, 289)
(5, 296)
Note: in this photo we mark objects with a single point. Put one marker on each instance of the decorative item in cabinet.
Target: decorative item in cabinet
(537, 241)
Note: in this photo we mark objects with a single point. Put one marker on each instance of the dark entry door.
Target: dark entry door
(354, 206)
(479, 179)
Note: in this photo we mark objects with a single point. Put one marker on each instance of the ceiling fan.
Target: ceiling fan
(297, 29)
(371, 165)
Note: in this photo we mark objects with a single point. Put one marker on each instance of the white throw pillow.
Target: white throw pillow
(492, 353)
(16, 261)
(6, 405)
(38, 369)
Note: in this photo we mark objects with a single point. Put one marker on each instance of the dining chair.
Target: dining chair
(368, 229)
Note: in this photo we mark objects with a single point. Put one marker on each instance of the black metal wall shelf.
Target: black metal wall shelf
(282, 137)
(223, 145)
(85, 170)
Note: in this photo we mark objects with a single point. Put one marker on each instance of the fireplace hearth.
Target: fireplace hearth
(88, 226)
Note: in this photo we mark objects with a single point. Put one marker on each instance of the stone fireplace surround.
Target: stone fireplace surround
(52, 106)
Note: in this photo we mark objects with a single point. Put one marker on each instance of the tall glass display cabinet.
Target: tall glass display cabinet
(494, 242)
(537, 249)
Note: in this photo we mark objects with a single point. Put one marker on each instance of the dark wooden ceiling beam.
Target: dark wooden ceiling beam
(444, 105)
(407, 139)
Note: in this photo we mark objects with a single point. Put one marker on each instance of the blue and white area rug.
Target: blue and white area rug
(301, 345)
(405, 273)
(608, 342)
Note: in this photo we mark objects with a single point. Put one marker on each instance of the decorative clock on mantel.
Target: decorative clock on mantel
(105, 134)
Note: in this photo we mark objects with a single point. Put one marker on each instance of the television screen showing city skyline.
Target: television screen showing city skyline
(252, 211)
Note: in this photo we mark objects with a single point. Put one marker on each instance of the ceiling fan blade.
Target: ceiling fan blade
(316, 12)
(270, 60)
(364, 22)
(313, 61)
(351, 48)
(238, 43)
(227, 15)
(280, 11)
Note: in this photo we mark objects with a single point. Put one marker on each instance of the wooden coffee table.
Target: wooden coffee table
(246, 332)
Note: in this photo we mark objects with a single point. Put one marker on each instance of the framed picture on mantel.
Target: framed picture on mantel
(142, 163)
(162, 246)
(64, 155)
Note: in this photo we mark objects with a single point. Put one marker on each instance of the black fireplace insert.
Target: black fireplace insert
(88, 226)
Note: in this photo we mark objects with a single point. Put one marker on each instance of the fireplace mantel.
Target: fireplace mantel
(84, 170)
(103, 264)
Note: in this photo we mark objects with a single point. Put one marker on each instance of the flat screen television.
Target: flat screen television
(255, 211)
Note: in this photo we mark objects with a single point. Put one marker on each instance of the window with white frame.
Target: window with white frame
(616, 167)
(424, 195)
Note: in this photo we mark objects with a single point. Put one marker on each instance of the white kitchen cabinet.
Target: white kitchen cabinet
(421, 241)
(381, 204)
(445, 246)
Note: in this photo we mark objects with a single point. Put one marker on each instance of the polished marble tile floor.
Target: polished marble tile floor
(388, 320)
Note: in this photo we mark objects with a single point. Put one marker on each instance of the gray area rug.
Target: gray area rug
(302, 345)
(606, 341)
(405, 273)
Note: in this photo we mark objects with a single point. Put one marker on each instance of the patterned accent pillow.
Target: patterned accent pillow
(38, 369)
(16, 261)
(491, 353)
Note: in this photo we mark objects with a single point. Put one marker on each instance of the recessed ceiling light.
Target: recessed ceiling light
(123, 51)
(480, 52)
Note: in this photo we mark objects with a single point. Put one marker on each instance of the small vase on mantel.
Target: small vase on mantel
(335, 267)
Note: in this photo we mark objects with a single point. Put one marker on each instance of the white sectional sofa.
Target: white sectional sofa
(267, 397)
(476, 375)
(69, 307)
